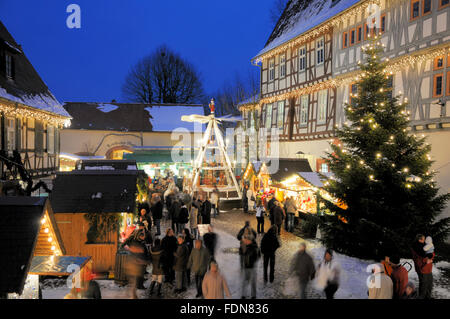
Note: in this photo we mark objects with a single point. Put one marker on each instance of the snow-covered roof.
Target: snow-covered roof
(78, 157)
(314, 178)
(301, 16)
(168, 117)
(26, 87)
(130, 117)
(251, 100)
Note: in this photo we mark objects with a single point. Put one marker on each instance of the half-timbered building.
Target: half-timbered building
(309, 67)
(30, 118)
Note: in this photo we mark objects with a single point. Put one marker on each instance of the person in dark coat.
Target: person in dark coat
(157, 212)
(169, 246)
(302, 266)
(198, 264)
(189, 241)
(183, 218)
(180, 266)
(206, 210)
(278, 216)
(245, 199)
(270, 207)
(250, 256)
(269, 245)
(248, 233)
(210, 240)
(174, 214)
(93, 291)
(423, 265)
(145, 218)
(157, 267)
(137, 260)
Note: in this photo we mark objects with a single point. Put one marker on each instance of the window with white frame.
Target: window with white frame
(271, 70)
(302, 59)
(304, 104)
(269, 116)
(280, 114)
(322, 106)
(10, 134)
(324, 168)
(320, 50)
(282, 66)
(50, 139)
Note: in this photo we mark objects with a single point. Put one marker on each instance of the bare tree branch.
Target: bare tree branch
(163, 77)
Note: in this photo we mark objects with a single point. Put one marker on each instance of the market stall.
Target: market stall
(306, 188)
(30, 245)
(88, 205)
(251, 176)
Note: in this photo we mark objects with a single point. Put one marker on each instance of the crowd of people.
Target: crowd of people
(279, 212)
(187, 251)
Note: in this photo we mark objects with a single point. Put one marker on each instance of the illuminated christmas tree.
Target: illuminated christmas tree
(382, 173)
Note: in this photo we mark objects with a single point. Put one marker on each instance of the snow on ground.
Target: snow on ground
(353, 278)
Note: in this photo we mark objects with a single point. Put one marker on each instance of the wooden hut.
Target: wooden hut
(28, 230)
(91, 208)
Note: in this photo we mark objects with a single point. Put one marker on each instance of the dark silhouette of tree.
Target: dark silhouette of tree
(234, 92)
(163, 77)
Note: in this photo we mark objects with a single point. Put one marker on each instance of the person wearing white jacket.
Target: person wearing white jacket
(327, 277)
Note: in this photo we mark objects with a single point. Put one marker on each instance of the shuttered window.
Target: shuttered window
(269, 116)
(56, 140)
(50, 139)
(18, 134)
(39, 137)
(322, 107)
(304, 103)
(280, 114)
(9, 63)
(10, 134)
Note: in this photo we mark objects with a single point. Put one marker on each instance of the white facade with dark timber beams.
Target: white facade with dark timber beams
(310, 63)
(30, 118)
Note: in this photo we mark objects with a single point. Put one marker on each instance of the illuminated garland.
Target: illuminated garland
(392, 67)
(28, 112)
(318, 31)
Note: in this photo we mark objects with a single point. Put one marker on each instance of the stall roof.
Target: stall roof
(94, 191)
(104, 164)
(314, 178)
(20, 227)
(289, 166)
(152, 156)
(56, 265)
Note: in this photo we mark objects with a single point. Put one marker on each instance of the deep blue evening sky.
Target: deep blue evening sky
(89, 64)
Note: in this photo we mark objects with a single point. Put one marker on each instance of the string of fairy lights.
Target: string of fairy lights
(28, 112)
(334, 22)
(371, 123)
(56, 250)
(391, 68)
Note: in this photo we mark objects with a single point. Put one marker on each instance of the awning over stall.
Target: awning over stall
(57, 265)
